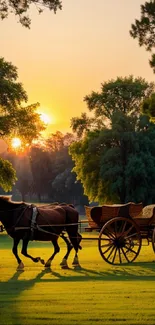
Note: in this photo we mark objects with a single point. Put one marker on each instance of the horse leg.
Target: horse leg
(76, 260)
(75, 239)
(56, 250)
(64, 264)
(24, 252)
(15, 252)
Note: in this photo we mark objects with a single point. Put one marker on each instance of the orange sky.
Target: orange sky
(64, 57)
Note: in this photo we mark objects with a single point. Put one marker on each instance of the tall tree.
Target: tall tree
(123, 94)
(16, 119)
(41, 168)
(144, 29)
(115, 163)
(20, 8)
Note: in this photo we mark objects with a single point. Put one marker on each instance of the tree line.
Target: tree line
(44, 173)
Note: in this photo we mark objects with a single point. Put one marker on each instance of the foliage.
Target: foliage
(144, 29)
(116, 162)
(148, 107)
(20, 8)
(16, 120)
(128, 163)
(7, 175)
(121, 95)
(85, 154)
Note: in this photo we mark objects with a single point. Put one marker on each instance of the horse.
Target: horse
(48, 225)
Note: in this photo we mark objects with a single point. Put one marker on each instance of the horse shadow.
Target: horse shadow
(18, 282)
(132, 271)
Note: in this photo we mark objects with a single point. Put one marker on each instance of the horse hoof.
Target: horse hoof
(64, 267)
(64, 262)
(37, 259)
(77, 267)
(20, 266)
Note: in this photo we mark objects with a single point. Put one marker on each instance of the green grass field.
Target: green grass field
(97, 294)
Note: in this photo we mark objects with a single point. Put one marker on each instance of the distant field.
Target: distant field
(97, 294)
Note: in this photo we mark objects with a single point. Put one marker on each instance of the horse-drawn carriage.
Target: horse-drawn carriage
(122, 228)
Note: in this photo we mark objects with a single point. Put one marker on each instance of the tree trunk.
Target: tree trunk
(39, 197)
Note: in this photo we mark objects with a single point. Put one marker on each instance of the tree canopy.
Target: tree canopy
(20, 8)
(144, 29)
(124, 95)
(116, 162)
(16, 119)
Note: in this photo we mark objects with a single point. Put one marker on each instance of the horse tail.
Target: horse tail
(72, 217)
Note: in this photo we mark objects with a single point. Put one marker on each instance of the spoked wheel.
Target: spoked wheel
(119, 241)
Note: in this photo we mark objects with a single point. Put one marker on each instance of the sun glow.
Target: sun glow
(16, 143)
(45, 118)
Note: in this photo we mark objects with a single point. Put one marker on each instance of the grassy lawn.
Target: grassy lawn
(97, 294)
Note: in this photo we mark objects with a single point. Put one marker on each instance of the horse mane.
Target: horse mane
(8, 199)
(67, 204)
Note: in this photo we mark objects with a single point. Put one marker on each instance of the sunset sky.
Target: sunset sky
(64, 57)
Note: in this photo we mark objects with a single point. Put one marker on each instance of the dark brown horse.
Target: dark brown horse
(26, 222)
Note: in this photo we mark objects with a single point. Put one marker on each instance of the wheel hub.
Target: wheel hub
(119, 242)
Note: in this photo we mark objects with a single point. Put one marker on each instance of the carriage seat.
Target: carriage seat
(147, 216)
(99, 215)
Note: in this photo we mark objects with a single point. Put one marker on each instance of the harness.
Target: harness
(33, 225)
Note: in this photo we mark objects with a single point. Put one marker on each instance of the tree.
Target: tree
(24, 183)
(123, 94)
(148, 107)
(7, 175)
(116, 162)
(20, 8)
(41, 167)
(144, 29)
(16, 120)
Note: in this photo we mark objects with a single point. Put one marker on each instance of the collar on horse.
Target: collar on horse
(33, 225)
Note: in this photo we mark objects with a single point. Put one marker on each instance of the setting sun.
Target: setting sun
(16, 142)
(45, 118)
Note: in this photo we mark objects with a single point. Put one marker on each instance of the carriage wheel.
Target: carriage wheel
(119, 241)
(153, 240)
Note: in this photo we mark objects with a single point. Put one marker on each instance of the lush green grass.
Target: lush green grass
(97, 294)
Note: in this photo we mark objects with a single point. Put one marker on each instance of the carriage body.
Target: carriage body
(122, 228)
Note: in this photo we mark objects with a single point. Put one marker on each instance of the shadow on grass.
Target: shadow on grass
(142, 271)
(12, 289)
